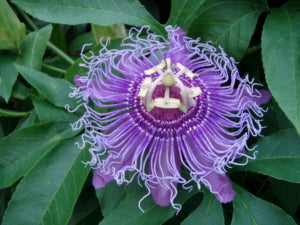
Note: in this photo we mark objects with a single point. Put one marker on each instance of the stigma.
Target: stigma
(168, 76)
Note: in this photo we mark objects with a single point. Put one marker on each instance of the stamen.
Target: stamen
(194, 91)
(156, 68)
(185, 70)
(144, 87)
(173, 103)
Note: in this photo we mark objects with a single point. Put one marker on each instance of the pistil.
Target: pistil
(165, 70)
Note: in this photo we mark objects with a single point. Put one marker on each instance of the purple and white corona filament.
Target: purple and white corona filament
(173, 105)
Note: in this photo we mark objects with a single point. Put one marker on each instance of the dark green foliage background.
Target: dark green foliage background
(42, 178)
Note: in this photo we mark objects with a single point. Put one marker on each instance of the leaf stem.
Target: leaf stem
(60, 53)
(11, 113)
(49, 44)
(27, 18)
(53, 68)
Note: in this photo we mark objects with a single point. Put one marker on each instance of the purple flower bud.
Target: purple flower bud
(170, 105)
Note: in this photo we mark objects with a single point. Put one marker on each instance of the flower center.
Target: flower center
(169, 78)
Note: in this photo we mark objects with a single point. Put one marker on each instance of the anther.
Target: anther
(185, 70)
(156, 68)
(145, 86)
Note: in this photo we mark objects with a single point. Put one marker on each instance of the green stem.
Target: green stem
(11, 113)
(28, 20)
(60, 53)
(53, 68)
(49, 44)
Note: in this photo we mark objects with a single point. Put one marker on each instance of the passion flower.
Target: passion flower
(171, 105)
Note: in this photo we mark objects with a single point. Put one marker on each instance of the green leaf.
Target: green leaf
(292, 4)
(230, 24)
(110, 197)
(101, 12)
(1, 132)
(275, 119)
(20, 91)
(22, 150)
(27, 121)
(58, 37)
(112, 31)
(209, 212)
(127, 211)
(287, 193)
(56, 90)
(87, 210)
(34, 47)
(184, 12)
(79, 41)
(8, 75)
(47, 112)
(249, 209)
(11, 30)
(49, 192)
(281, 63)
(278, 156)
(2, 203)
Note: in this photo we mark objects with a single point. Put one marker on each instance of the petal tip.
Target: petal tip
(100, 179)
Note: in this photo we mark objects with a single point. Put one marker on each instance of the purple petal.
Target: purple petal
(259, 97)
(221, 186)
(165, 167)
(177, 48)
(265, 96)
(161, 192)
(100, 179)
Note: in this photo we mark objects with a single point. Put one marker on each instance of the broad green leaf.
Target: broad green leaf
(47, 112)
(34, 47)
(23, 149)
(110, 197)
(101, 12)
(2, 203)
(209, 212)
(11, 30)
(112, 31)
(87, 210)
(1, 132)
(278, 156)
(79, 41)
(228, 23)
(56, 90)
(28, 121)
(20, 91)
(275, 119)
(249, 209)
(292, 4)
(128, 213)
(58, 36)
(48, 193)
(8, 75)
(287, 193)
(281, 57)
(184, 12)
